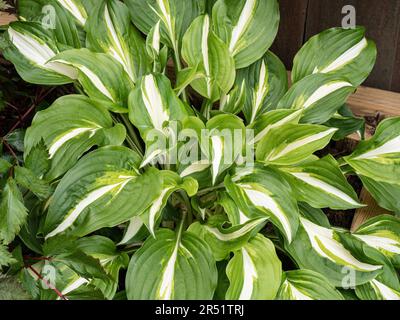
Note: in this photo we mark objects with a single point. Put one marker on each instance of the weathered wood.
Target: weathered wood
(382, 23)
(369, 102)
(372, 210)
(6, 18)
(291, 30)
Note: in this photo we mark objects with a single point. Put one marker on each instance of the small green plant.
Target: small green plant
(186, 159)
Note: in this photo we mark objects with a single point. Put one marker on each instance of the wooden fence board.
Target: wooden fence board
(370, 101)
(291, 30)
(6, 18)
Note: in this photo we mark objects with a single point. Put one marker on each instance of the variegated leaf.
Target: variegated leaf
(382, 233)
(254, 272)
(178, 266)
(76, 8)
(103, 189)
(202, 48)
(376, 290)
(319, 95)
(100, 75)
(273, 119)
(322, 184)
(111, 260)
(70, 127)
(292, 143)
(265, 84)
(227, 139)
(343, 52)
(109, 30)
(57, 16)
(248, 26)
(175, 17)
(307, 285)
(171, 182)
(223, 241)
(262, 192)
(235, 215)
(31, 49)
(319, 249)
(155, 110)
(233, 101)
(379, 157)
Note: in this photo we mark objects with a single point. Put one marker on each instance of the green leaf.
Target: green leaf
(346, 123)
(37, 160)
(248, 26)
(379, 157)
(273, 119)
(78, 8)
(83, 264)
(53, 15)
(322, 184)
(16, 139)
(171, 182)
(175, 17)
(262, 192)
(27, 179)
(109, 30)
(292, 143)
(387, 195)
(202, 48)
(234, 101)
(177, 266)
(155, 110)
(100, 75)
(70, 127)
(254, 272)
(226, 142)
(110, 259)
(30, 51)
(235, 215)
(223, 241)
(318, 248)
(103, 189)
(376, 290)
(4, 166)
(307, 285)
(265, 84)
(382, 233)
(6, 257)
(12, 212)
(342, 52)
(319, 95)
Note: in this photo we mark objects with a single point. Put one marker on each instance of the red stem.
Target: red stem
(47, 283)
(31, 108)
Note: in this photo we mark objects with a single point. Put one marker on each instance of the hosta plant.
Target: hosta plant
(185, 166)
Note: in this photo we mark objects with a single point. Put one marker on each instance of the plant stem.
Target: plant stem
(188, 206)
(130, 129)
(48, 284)
(206, 108)
(178, 68)
(132, 132)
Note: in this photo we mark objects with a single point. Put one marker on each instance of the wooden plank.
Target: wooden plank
(6, 18)
(291, 30)
(369, 102)
(381, 19)
(396, 66)
(372, 210)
